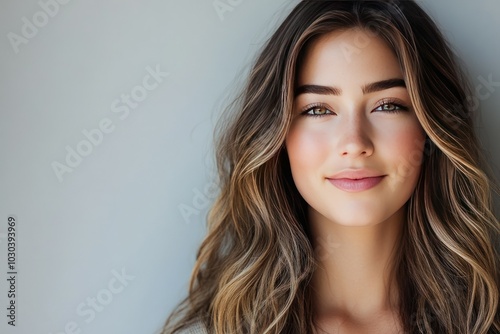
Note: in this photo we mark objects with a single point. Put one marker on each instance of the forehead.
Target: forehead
(354, 55)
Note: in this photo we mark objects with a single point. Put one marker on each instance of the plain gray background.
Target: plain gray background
(108, 246)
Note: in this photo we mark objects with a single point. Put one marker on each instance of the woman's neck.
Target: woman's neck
(355, 278)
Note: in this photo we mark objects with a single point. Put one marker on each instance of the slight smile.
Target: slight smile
(356, 180)
(355, 185)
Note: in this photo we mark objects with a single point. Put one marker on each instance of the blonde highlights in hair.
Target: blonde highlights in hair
(254, 266)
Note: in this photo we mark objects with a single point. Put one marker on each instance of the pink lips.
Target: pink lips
(354, 180)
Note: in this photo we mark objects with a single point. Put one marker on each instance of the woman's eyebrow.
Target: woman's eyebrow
(368, 88)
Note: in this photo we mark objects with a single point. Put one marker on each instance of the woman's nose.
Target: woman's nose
(355, 137)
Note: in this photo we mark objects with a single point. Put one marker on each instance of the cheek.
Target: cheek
(404, 147)
(306, 149)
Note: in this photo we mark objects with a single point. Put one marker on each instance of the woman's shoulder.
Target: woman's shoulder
(195, 328)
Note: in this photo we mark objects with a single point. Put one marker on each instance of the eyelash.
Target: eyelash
(384, 102)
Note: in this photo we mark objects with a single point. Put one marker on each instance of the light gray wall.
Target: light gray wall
(112, 230)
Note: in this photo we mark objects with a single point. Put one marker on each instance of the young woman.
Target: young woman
(353, 194)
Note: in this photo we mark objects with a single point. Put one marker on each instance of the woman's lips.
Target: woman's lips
(355, 185)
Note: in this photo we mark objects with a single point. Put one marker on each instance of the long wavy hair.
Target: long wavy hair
(253, 269)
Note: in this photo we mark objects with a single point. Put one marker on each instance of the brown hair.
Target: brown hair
(254, 266)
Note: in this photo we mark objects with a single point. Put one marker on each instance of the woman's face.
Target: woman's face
(355, 145)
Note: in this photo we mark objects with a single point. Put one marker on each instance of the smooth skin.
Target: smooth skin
(354, 233)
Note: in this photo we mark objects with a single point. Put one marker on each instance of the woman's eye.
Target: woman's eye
(391, 107)
(318, 111)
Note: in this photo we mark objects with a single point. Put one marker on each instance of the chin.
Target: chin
(364, 217)
(356, 222)
(357, 218)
